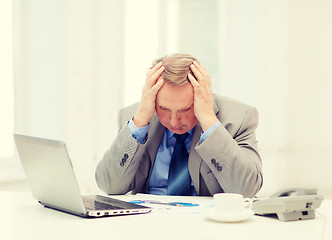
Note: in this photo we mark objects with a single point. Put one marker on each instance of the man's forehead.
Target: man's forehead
(175, 96)
(171, 104)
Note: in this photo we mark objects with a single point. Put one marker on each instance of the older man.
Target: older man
(181, 139)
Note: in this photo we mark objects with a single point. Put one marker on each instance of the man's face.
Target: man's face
(175, 107)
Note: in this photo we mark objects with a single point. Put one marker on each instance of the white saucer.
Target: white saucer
(229, 217)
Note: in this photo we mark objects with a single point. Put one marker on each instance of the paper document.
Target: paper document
(171, 205)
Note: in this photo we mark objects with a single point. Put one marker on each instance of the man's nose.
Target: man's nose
(174, 119)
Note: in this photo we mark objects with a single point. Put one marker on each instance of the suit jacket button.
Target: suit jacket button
(213, 161)
(219, 168)
(121, 164)
(125, 156)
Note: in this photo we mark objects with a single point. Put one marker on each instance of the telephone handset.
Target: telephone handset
(289, 204)
(295, 192)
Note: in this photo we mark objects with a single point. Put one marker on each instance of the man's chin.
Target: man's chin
(181, 130)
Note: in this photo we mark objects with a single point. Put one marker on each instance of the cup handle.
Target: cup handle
(247, 203)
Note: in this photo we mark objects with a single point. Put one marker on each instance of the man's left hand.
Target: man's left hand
(203, 98)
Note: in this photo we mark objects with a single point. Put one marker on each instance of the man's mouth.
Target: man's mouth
(177, 128)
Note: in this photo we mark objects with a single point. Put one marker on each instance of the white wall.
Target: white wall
(6, 94)
(6, 75)
(310, 75)
(38, 72)
(80, 61)
(277, 56)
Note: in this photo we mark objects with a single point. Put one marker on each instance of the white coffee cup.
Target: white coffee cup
(230, 203)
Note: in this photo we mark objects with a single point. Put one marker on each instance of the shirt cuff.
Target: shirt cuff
(138, 133)
(209, 131)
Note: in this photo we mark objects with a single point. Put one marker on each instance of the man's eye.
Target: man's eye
(163, 108)
(186, 109)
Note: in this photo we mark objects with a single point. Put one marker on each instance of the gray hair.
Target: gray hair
(177, 68)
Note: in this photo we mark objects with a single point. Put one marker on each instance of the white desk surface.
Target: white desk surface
(21, 217)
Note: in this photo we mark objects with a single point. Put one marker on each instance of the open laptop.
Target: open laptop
(52, 181)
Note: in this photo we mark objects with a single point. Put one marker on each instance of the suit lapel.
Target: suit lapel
(195, 160)
(155, 136)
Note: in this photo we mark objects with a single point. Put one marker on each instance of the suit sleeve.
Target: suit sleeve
(234, 160)
(116, 171)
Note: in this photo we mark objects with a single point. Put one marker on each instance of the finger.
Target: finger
(197, 73)
(157, 73)
(155, 88)
(154, 69)
(193, 80)
(155, 76)
(203, 71)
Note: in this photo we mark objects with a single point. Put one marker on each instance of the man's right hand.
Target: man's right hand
(154, 81)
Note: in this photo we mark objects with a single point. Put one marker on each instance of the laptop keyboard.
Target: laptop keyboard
(91, 204)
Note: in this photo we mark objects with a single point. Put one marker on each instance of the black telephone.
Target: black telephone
(289, 204)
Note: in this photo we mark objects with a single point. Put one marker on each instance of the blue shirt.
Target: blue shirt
(159, 175)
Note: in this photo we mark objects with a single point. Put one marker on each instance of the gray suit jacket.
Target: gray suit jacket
(227, 161)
